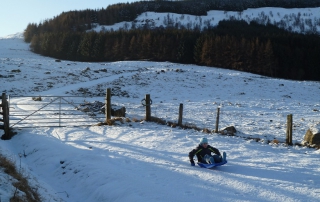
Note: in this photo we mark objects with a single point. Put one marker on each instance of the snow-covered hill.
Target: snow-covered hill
(301, 20)
(143, 161)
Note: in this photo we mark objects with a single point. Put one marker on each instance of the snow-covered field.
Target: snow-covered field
(144, 161)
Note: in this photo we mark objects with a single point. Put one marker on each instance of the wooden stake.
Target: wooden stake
(289, 130)
(217, 120)
(108, 105)
(5, 112)
(180, 114)
(148, 108)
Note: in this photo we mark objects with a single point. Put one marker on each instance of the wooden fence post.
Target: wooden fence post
(5, 113)
(180, 115)
(217, 120)
(108, 105)
(148, 107)
(289, 129)
(1, 105)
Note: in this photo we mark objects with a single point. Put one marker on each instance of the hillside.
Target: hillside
(82, 20)
(144, 161)
(276, 42)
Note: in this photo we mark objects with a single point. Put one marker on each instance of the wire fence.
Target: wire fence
(253, 120)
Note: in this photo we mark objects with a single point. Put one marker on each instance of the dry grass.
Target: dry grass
(158, 120)
(21, 184)
(136, 120)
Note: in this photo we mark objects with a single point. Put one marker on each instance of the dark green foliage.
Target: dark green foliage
(265, 50)
(32, 29)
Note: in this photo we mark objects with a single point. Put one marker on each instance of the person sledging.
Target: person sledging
(204, 153)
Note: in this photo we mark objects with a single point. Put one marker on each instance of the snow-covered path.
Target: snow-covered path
(148, 162)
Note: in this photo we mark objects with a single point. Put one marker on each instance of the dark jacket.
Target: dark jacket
(200, 152)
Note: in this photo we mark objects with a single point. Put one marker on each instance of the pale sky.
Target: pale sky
(15, 15)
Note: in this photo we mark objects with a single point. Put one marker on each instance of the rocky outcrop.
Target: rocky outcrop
(312, 138)
(230, 131)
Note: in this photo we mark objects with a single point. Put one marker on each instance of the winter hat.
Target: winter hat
(203, 140)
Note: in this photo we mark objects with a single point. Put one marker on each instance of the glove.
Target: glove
(192, 163)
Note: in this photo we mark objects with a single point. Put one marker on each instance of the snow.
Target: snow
(302, 20)
(145, 161)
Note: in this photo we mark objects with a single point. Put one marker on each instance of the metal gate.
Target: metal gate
(55, 111)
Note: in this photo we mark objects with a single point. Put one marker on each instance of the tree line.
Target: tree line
(232, 44)
(265, 50)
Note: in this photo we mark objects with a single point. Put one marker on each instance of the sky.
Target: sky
(15, 15)
(145, 161)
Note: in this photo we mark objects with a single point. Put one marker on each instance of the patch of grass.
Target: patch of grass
(20, 184)
(158, 120)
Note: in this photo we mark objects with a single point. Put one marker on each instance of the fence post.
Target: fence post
(180, 115)
(148, 108)
(108, 105)
(289, 129)
(217, 120)
(5, 112)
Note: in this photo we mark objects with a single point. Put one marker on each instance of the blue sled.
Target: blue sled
(203, 165)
